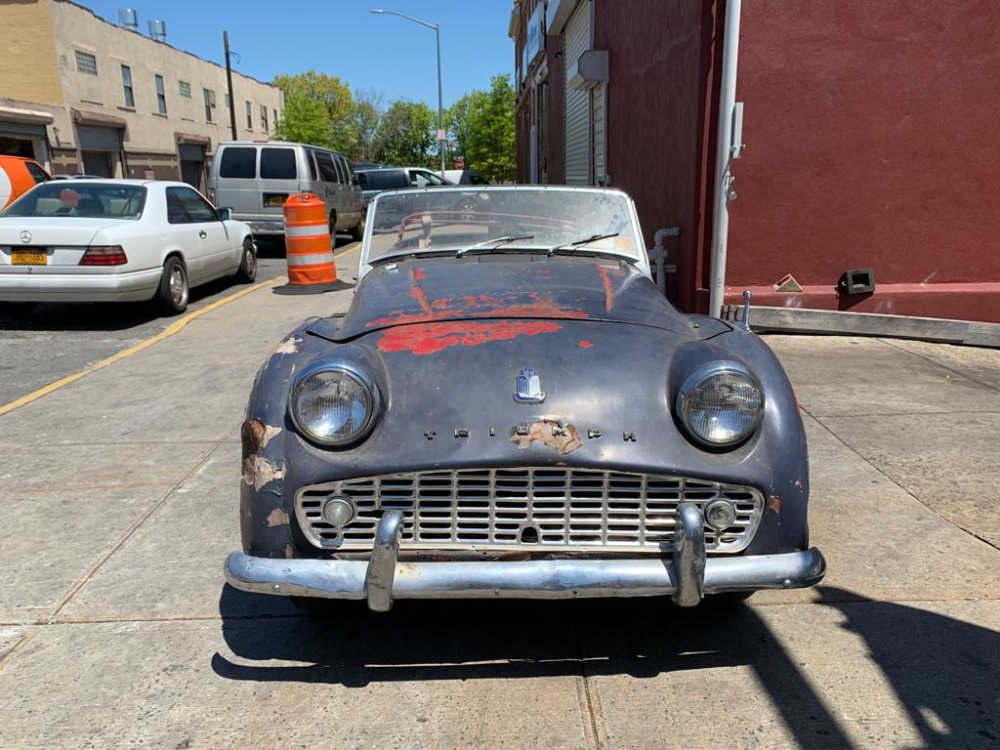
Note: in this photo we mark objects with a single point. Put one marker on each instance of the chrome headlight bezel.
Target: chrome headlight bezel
(693, 385)
(353, 373)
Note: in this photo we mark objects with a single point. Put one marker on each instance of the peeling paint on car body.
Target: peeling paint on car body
(563, 438)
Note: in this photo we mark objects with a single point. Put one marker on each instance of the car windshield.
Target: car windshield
(502, 220)
(81, 199)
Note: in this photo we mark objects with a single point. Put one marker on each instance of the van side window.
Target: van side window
(239, 162)
(345, 169)
(278, 164)
(327, 169)
(311, 158)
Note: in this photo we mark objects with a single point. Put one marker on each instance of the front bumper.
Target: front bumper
(19, 284)
(687, 576)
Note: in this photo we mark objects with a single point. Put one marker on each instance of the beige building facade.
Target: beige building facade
(82, 94)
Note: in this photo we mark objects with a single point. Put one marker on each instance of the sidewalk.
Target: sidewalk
(120, 498)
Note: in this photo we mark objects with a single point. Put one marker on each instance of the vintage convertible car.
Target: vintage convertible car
(510, 408)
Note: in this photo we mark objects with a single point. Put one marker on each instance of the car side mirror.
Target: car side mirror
(225, 214)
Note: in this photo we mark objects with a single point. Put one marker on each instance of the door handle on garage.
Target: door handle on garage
(203, 234)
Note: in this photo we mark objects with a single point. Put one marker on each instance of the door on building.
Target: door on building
(101, 149)
(98, 163)
(192, 158)
(21, 139)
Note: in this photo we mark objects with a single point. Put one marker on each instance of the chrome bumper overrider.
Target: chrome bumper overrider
(687, 576)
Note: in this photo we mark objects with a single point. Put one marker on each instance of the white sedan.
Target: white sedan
(105, 240)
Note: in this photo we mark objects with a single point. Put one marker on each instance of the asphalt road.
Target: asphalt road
(60, 339)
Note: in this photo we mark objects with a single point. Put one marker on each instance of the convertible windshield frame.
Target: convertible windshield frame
(466, 222)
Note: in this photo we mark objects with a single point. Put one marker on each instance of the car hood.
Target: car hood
(506, 287)
(62, 230)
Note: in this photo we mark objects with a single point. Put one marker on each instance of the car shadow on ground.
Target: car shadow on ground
(943, 670)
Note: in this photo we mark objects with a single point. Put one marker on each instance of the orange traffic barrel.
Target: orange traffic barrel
(307, 241)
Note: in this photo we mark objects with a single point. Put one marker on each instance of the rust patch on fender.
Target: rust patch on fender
(257, 470)
(277, 517)
(288, 346)
(564, 439)
(774, 503)
(431, 338)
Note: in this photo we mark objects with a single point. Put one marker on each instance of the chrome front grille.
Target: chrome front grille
(533, 509)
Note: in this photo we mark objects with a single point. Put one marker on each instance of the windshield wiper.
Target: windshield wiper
(572, 247)
(493, 244)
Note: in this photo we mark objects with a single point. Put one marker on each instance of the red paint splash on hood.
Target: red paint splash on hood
(481, 306)
(429, 338)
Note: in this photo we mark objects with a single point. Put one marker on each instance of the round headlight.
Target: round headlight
(334, 406)
(720, 405)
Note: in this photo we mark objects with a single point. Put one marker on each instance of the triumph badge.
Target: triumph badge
(25, 236)
(529, 387)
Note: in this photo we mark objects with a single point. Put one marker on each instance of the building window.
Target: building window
(86, 63)
(249, 116)
(263, 117)
(127, 86)
(161, 96)
(209, 104)
(185, 89)
(229, 102)
(275, 111)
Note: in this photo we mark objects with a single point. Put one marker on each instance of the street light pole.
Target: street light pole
(437, 33)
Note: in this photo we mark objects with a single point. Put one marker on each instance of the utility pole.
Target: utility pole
(229, 85)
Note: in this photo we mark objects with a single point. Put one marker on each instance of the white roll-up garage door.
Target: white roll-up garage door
(577, 114)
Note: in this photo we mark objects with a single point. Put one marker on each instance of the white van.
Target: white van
(255, 178)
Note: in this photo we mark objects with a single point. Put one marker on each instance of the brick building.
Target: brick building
(869, 132)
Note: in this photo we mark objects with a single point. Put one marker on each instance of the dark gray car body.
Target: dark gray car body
(510, 408)
(611, 352)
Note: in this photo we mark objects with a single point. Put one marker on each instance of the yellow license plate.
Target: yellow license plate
(29, 258)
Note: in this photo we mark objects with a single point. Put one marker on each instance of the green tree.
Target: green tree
(332, 97)
(406, 134)
(366, 121)
(304, 121)
(457, 120)
(486, 130)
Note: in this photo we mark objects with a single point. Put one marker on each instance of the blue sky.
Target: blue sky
(387, 54)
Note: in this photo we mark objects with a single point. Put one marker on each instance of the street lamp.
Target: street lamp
(437, 32)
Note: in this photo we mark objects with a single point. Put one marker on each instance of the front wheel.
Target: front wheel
(172, 295)
(247, 272)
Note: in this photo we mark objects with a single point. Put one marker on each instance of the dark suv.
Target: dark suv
(374, 181)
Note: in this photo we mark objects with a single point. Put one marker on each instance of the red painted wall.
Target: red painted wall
(660, 56)
(872, 141)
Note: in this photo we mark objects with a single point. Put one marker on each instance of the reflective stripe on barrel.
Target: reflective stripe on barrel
(307, 241)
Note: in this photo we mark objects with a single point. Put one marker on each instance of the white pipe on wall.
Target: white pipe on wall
(727, 104)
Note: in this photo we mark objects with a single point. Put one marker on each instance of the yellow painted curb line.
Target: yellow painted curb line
(167, 332)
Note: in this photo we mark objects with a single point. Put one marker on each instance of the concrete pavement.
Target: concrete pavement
(120, 502)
